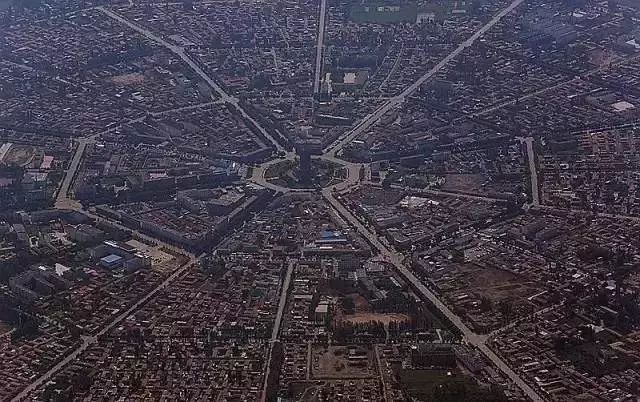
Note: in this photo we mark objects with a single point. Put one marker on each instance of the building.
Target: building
(111, 261)
(305, 149)
(321, 313)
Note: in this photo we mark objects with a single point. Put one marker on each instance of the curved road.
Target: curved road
(353, 179)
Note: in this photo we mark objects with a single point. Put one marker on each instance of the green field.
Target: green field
(390, 13)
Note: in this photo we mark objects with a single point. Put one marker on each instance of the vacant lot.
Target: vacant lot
(336, 362)
(384, 318)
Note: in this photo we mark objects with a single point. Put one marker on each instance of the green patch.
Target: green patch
(384, 13)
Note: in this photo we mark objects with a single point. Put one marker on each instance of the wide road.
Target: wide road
(565, 82)
(320, 47)
(398, 100)
(443, 193)
(396, 260)
(590, 213)
(89, 340)
(63, 201)
(352, 179)
(180, 52)
(533, 171)
(284, 292)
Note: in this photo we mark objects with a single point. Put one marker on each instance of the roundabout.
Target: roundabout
(326, 172)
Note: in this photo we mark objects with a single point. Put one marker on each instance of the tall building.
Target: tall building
(305, 149)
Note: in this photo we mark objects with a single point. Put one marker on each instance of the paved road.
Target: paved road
(275, 333)
(283, 299)
(396, 260)
(533, 171)
(352, 179)
(385, 391)
(590, 213)
(444, 193)
(519, 99)
(180, 52)
(320, 46)
(63, 201)
(186, 108)
(552, 87)
(87, 341)
(258, 174)
(398, 100)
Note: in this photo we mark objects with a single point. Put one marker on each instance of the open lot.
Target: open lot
(335, 362)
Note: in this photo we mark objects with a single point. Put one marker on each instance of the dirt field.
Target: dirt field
(496, 284)
(464, 182)
(128, 79)
(157, 255)
(335, 362)
(19, 155)
(362, 305)
(384, 318)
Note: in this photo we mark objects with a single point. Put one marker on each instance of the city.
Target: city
(297, 200)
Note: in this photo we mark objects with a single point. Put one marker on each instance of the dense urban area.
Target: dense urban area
(320, 200)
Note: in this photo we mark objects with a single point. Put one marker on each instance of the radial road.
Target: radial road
(320, 46)
(396, 260)
(62, 200)
(89, 340)
(180, 52)
(533, 171)
(396, 101)
(284, 291)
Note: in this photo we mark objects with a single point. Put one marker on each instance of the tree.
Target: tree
(485, 304)
(506, 309)
(347, 304)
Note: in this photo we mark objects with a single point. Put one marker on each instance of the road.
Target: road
(87, 341)
(590, 213)
(522, 98)
(385, 391)
(63, 201)
(352, 179)
(320, 47)
(562, 83)
(258, 174)
(396, 101)
(444, 193)
(180, 52)
(284, 292)
(396, 260)
(187, 108)
(533, 171)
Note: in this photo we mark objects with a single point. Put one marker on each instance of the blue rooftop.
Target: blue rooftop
(111, 258)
